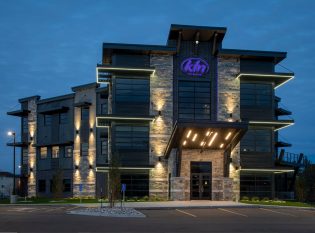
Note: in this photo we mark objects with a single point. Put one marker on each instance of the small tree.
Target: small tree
(57, 184)
(114, 180)
(305, 183)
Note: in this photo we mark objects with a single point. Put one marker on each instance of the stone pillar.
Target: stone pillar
(84, 175)
(229, 110)
(161, 96)
(31, 161)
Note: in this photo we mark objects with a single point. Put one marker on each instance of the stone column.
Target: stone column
(229, 110)
(161, 89)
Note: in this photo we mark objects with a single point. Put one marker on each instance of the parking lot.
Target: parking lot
(57, 219)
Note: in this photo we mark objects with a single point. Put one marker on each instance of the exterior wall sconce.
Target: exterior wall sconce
(160, 159)
(31, 169)
(76, 167)
(77, 132)
(160, 113)
(90, 166)
(91, 130)
(230, 117)
(31, 138)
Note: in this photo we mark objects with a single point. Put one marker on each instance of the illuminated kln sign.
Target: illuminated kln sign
(194, 66)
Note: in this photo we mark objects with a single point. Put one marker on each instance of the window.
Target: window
(132, 144)
(55, 152)
(137, 185)
(84, 149)
(68, 151)
(257, 140)
(63, 118)
(47, 120)
(104, 109)
(41, 186)
(85, 113)
(256, 95)
(131, 94)
(104, 147)
(67, 185)
(253, 184)
(43, 152)
(193, 100)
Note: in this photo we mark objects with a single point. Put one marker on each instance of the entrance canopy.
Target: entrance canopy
(206, 135)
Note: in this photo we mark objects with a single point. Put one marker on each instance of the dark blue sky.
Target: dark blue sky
(46, 47)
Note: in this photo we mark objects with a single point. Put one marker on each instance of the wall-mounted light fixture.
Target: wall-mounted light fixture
(90, 166)
(31, 138)
(77, 132)
(160, 159)
(76, 167)
(160, 113)
(31, 169)
(91, 130)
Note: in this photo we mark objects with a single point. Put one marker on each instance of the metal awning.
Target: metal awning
(19, 113)
(102, 121)
(18, 144)
(50, 111)
(278, 78)
(53, 144)
(104, 72)
(279, 124)
(206, 135)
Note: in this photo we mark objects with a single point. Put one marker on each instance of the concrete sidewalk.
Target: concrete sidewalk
(174, 204)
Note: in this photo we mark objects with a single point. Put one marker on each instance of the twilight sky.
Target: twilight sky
(46, 47)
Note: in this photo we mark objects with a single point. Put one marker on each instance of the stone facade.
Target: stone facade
(229, 109)
(161, 88)
(31, 160)
(221, 186)
(84, 175)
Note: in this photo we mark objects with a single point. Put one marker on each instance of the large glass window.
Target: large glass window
(132, 96)
(256, 140)
(256, 95)
(47, 120)
(193, 100)
(137, 185)
(104, 108)
(41, 186)
(256, 184)
(43, 152)
(67, 185)
(132, 144)
(63, 118)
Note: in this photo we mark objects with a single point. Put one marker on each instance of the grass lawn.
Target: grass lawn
(279, 203)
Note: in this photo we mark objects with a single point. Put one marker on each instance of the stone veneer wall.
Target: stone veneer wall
(161, 88)
(229, 102)
(84, 175)
(221, 186)
(31, 159)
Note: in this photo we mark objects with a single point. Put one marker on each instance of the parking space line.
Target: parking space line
(277, 212)
(232, 212)
(73, 208)
(184, 212)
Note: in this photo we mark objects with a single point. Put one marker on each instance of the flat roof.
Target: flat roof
(277, 56)
(140, 48)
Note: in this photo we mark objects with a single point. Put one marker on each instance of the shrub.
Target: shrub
(245, 198)
(255, 198)
(266, 199)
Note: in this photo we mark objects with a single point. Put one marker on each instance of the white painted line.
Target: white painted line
(232, 212)
(52, 209)
(73, 208)
(277, 212)
(184, 212)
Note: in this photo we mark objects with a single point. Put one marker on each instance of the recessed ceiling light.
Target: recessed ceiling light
(228, 136)
(221, 145)
(184, 143)
(212, 139)
(188, 134)
(194, 138)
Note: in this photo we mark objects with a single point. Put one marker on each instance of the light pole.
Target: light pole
(11, 133)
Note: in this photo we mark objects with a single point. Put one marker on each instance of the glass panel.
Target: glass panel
(68, 151)
(43, 152)
(55, 152)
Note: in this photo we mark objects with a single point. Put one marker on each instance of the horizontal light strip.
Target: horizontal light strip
(269, 75)
(105, 169)
(266, 170)
(125, 69)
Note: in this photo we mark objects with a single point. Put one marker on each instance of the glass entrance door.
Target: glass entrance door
(200, 181)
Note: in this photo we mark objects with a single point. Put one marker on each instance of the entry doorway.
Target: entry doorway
(200, 180)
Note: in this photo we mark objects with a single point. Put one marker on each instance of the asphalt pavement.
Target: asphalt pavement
(221, 219)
